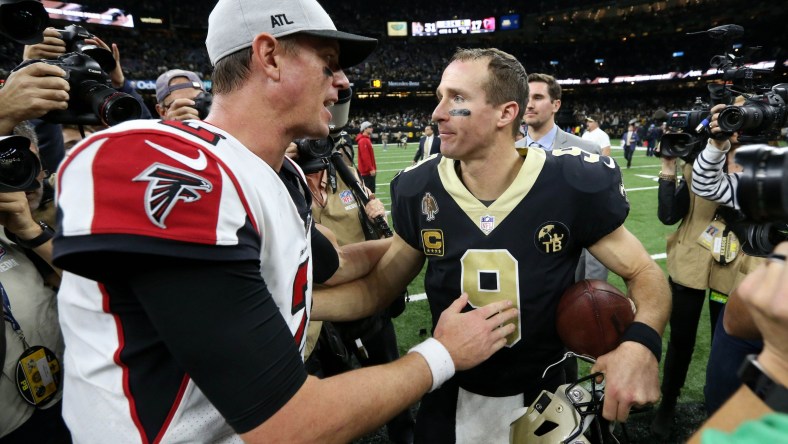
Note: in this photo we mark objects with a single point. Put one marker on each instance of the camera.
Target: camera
(202, 103)
(74, 36)
(760, 118)
(687, 133)
(92, 100)
(23, 21)
(762, 194)
(19, 167)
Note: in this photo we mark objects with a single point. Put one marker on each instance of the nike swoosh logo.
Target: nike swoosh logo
(199, 163)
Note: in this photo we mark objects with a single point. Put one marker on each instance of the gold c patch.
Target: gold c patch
(433, 242)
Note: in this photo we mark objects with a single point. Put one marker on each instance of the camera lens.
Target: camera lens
(111, 106)
(738, 118)
(18, 166)
(24, 21)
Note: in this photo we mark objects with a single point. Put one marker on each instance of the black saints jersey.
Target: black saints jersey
(524, 246)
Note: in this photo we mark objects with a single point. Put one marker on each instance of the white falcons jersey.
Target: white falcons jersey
(168, 181)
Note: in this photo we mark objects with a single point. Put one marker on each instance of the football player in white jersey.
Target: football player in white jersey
(188, 250)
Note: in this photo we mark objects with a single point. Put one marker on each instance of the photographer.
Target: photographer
(694, 266)
(372, 340)
(31, 409)
(180, 95)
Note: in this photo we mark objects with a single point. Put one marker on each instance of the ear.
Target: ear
(265, 54)
(160, 109)
(556, 105)
(509, 111)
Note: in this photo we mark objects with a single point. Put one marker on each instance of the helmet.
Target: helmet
(561, 417)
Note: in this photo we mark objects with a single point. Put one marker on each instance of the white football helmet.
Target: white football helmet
(566, 416)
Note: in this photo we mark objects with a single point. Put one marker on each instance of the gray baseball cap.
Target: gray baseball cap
(233, 24)
(163, 87)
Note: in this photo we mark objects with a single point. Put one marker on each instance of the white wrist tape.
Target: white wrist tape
(438, 359)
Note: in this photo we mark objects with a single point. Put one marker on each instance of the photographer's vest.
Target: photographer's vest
(689, 263)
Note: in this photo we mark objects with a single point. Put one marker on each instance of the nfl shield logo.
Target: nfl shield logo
(347, 197)
(487, 223)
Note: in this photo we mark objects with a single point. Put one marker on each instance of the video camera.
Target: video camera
(687, 132)
(760, 118)
(329, 153)
(757, 121)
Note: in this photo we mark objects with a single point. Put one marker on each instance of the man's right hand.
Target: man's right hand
(474, 336)
(31, 92)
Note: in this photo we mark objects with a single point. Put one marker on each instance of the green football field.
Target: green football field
(640, 182)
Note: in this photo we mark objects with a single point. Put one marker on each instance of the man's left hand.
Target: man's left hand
(631, 379)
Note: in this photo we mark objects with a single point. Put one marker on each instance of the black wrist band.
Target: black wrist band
(46, 234)
(644, 334)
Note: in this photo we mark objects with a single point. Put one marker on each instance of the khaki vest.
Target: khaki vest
(689, 263)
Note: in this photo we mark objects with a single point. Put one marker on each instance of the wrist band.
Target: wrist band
(41, 239)
(438, 359)
(645, 335)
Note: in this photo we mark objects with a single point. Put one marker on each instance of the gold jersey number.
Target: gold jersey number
(491, 276)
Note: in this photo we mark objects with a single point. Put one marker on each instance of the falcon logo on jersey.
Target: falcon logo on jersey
(551, 237)
(167, 186)
(429, 207)
(433, 242)
(487, 223)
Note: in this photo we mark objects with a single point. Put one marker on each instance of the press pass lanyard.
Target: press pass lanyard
(9, 317)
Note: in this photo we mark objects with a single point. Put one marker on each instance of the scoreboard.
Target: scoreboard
(454, 26)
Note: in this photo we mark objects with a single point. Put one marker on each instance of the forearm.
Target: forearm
(357, 260)
(347, 406)
(373, 292)
(708, 179)
(651, 293)
(737, 320)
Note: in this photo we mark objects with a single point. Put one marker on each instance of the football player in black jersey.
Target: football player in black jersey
(499, 223)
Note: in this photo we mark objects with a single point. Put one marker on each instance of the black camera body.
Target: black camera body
(92, 100)
(315, 155)
(760, 118)
(202, 103)
(762, 193)
(74, 37)
(687, 132)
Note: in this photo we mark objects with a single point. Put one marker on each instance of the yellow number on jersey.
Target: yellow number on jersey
(497, 265)
(575, 151)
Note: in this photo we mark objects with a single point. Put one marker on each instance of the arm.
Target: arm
(708, 179)
(737, 320)
(15, 216)
(117, 77)
(419, 151)
(362, 400)
(632, 370)
(375, 291)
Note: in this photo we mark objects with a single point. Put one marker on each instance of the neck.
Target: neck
(237, 114)
(488, 177)
(537, 133)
